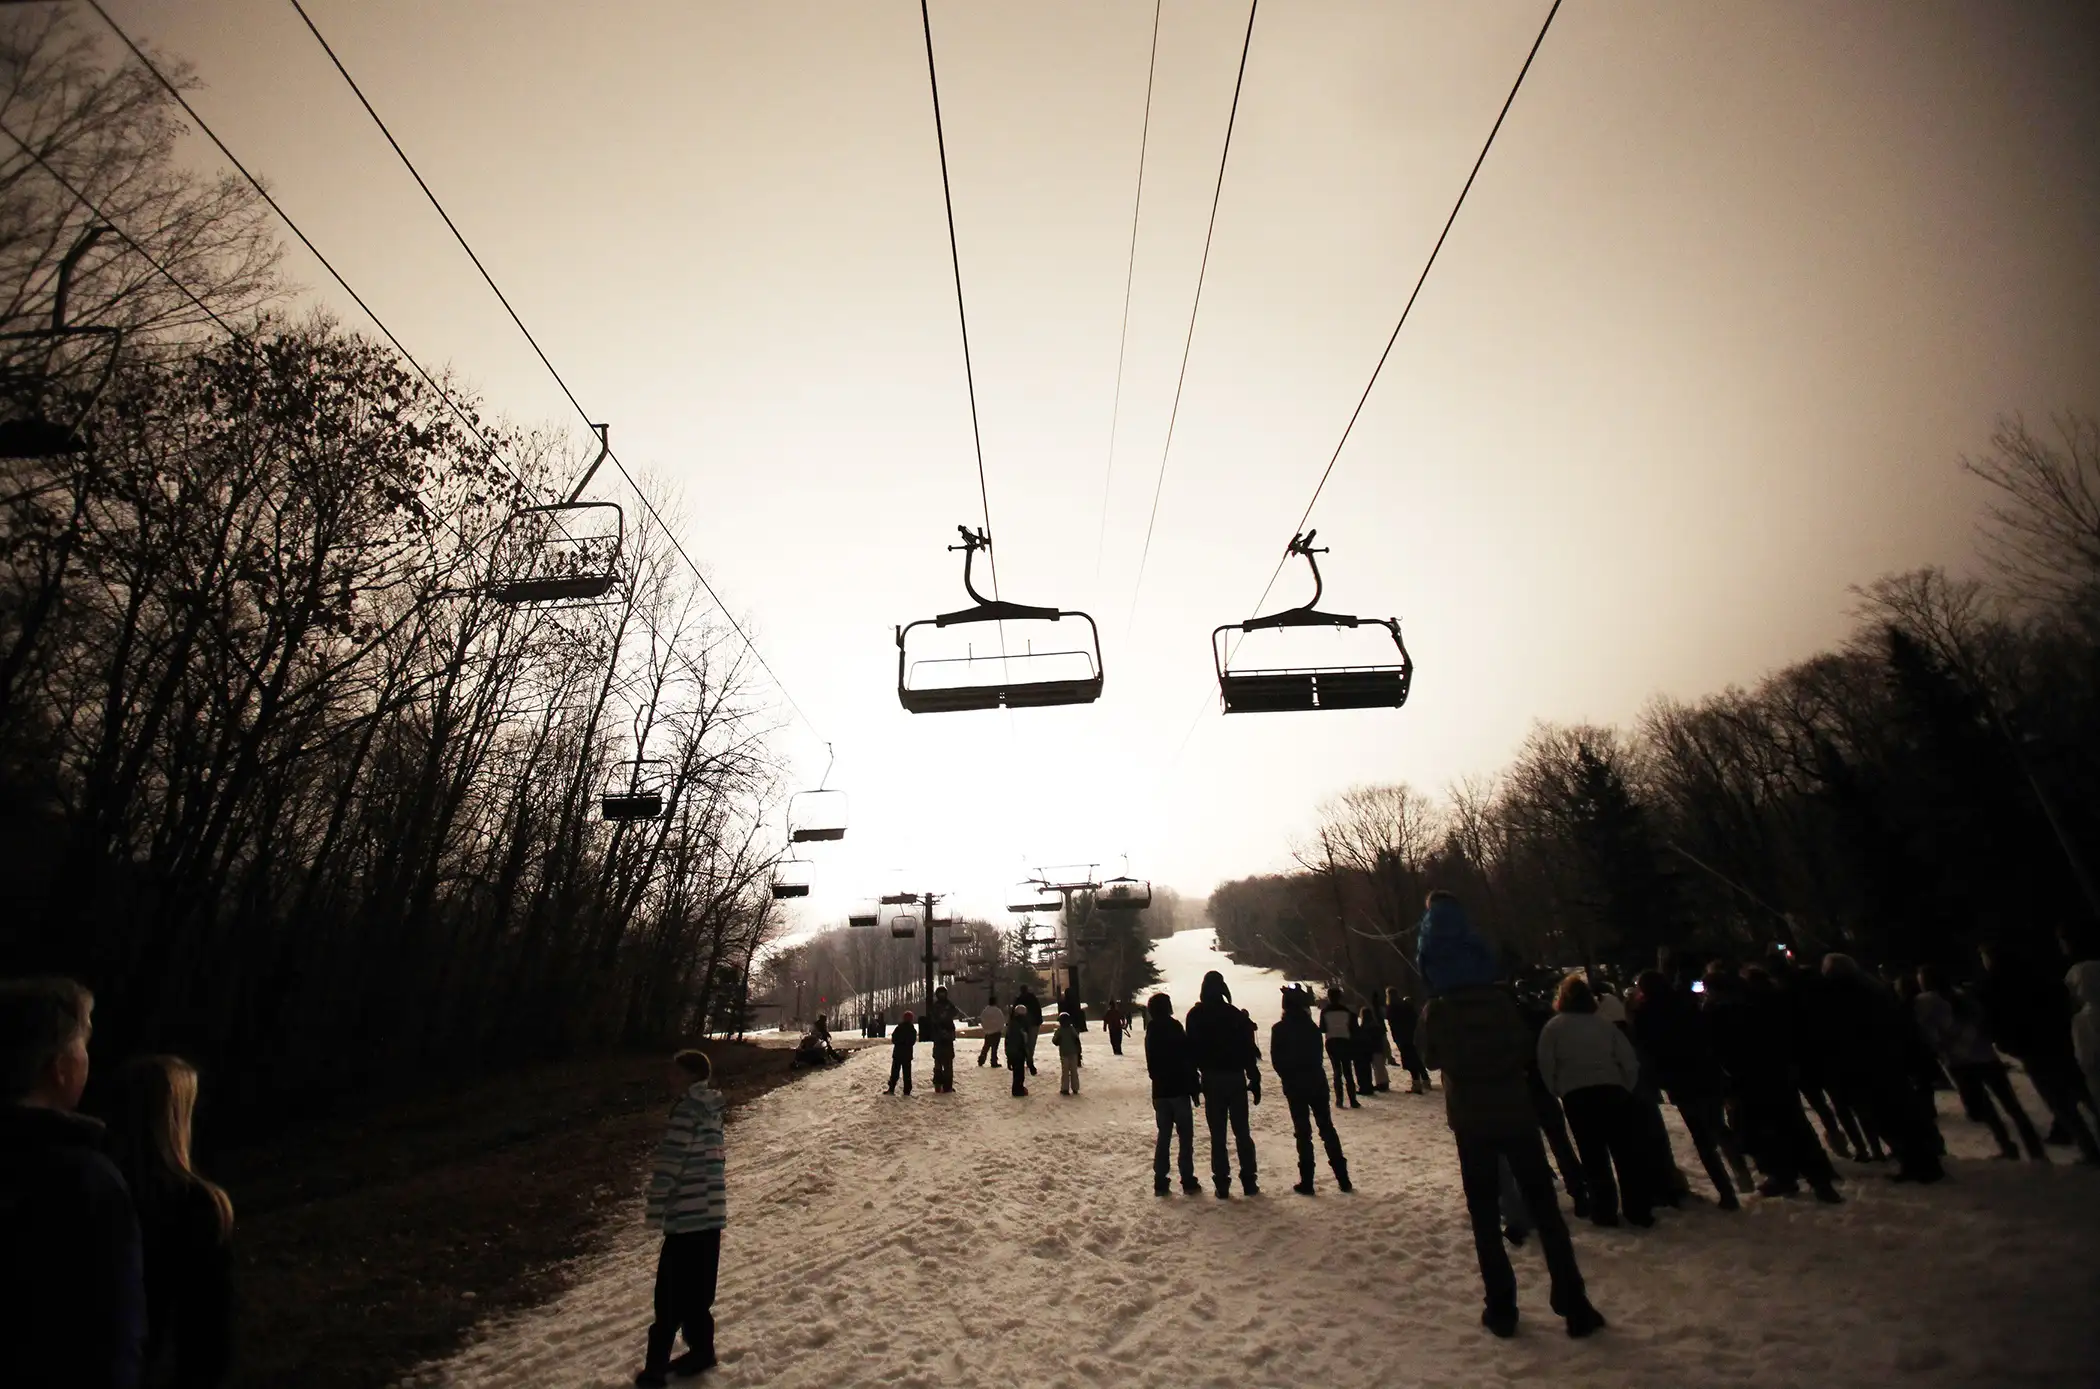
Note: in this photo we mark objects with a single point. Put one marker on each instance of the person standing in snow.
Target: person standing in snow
(1373, 1021)
(688, 1203)
(1114, 1021)
(1174, 1088)
(1066, 1040)
(1874, 1027)
(1953, 1026)
(1591, 1065)
(902, 1040)
(1751, 1041)
(1295, 1048)
(1027, 1000)
(1221, 1044)
(941, 1018)
(2030, 1021)
(1404, 1018)
(1340, 1026)
(1671, 1033)
(994, 1020)
(73, 1311)
(1020, 1045)
(1472, 1032)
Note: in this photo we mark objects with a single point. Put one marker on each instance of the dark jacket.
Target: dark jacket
(1027, 999)
(2029, 1017)
(1167, 1060)
(72, 1289)
(904, 1037)
(1751, 1041)
(1221, 1042)
(189, 1290)
(1478, 1039)
(1675, 1039)
(1298, 1052)
(940, 1020)
(1404, 1020)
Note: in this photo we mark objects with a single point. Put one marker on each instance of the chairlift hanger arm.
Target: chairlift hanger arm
(604, 448)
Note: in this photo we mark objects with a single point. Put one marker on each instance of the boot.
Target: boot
(1305, 1182)
(1585, 1321)
(1341, 1178)
(693, 1362)
(1500, 1320)
(1191, 1187)
(1248, 1185)
(1225, 1191)
(1159, 1186)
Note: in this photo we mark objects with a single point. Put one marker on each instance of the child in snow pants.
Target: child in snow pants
(688, 1203)
(1067, 1041)
(902, 1041)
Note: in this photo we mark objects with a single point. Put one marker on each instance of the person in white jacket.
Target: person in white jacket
(1592, 1066)
(994, 1019)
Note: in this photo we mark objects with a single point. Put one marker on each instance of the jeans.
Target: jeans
(685, 1295)
(900, 1065)
(1555, 1126)
(944, 1063)
(1225, 1100)
(1115, 1040)
(1174, 1116)
(1980, 1083)
(1704, 1121)
(1480, 1159)
(1342, 1056)
(1607, 1131)
(993, 1042)
(1780, 1137)
(1309, 1109)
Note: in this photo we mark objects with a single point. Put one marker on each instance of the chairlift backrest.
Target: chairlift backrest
(1011, 680)
(1301, 688)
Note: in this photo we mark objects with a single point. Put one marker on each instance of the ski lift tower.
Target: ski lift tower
(1064, 880)
(925, 902)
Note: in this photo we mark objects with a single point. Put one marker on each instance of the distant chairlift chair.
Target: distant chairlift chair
(1278, 690)
(33, 433)
(922, 689)
(792, 878)
(635, 791)
(817, 816)
(564, 552)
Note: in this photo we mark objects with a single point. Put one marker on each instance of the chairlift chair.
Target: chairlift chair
(635, 791)
(563, 552)
(1381, 685)
(791, 878)
(950, 684)
(34, 434)
(1033, 897)
(864, 914)
(904, 925)
(1123, 894)
(820, 815)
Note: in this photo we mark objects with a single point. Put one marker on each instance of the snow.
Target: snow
(979, 1239)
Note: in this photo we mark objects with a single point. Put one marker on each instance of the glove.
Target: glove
(1254, 1094)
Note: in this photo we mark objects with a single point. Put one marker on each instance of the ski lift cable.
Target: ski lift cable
(233, 334)
(1174, 415)
(1413, 295)
(648, 506)
(1115, 412)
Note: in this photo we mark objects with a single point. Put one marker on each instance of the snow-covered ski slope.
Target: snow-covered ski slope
(977, 1239)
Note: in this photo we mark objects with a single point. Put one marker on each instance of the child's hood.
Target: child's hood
(704, 1095)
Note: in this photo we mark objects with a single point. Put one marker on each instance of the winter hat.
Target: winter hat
(1295, 997)
(1214, 987)
(1450, 954)
(907, 1015)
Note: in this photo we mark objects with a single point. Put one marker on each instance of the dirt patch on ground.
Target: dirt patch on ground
(372, 1243)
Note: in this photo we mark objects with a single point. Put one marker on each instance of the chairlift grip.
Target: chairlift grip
(604, 449)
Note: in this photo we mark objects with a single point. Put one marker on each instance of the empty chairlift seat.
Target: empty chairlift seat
(1362, 682)
(1123, 894)
(565, 552)
(635, 790)
(1031, 657)
(791, 878)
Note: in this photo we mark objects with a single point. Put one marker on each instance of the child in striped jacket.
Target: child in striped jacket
(688, 1203)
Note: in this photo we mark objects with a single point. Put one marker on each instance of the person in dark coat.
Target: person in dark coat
(1221, 1044)
(1812, 1027)
(1026, 999)
(1402, 1018)
(1751, 1041)
(902, 1040)
(1115, 1022)
(1873, 1029)
(74, 1308)
(1472, 1032)
(1545, 1105)
(1020, 1048)
(1296, 1049)
(2028, 1013)
(1953, 1026)
(941, 1019)
(1672, 1035)
(1174, 1086)
(1338, 1024)
(185, 1222)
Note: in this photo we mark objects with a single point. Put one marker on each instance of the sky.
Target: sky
(1739, 285)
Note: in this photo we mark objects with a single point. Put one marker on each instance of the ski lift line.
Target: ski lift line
(1115, 413)
(648, 507)
(1413, 295)
(1159, 482)
(233, 334)
(472, 424)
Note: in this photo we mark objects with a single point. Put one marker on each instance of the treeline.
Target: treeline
(1927, 787)
(847, 972)
(279, 778)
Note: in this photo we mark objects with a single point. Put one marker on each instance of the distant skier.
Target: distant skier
(902, 1040)
(1066, 1040)
(1173, 1088)
(1115, 1022)
(688, 1202)
(1295, 1048)
(1221, 1043)
(994, 1020)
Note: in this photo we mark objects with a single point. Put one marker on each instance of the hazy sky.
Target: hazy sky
(1738, 285)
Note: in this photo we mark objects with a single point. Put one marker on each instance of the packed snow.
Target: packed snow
(979, 1239)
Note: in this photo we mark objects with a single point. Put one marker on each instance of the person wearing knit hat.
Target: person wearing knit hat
(1472, 1032)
